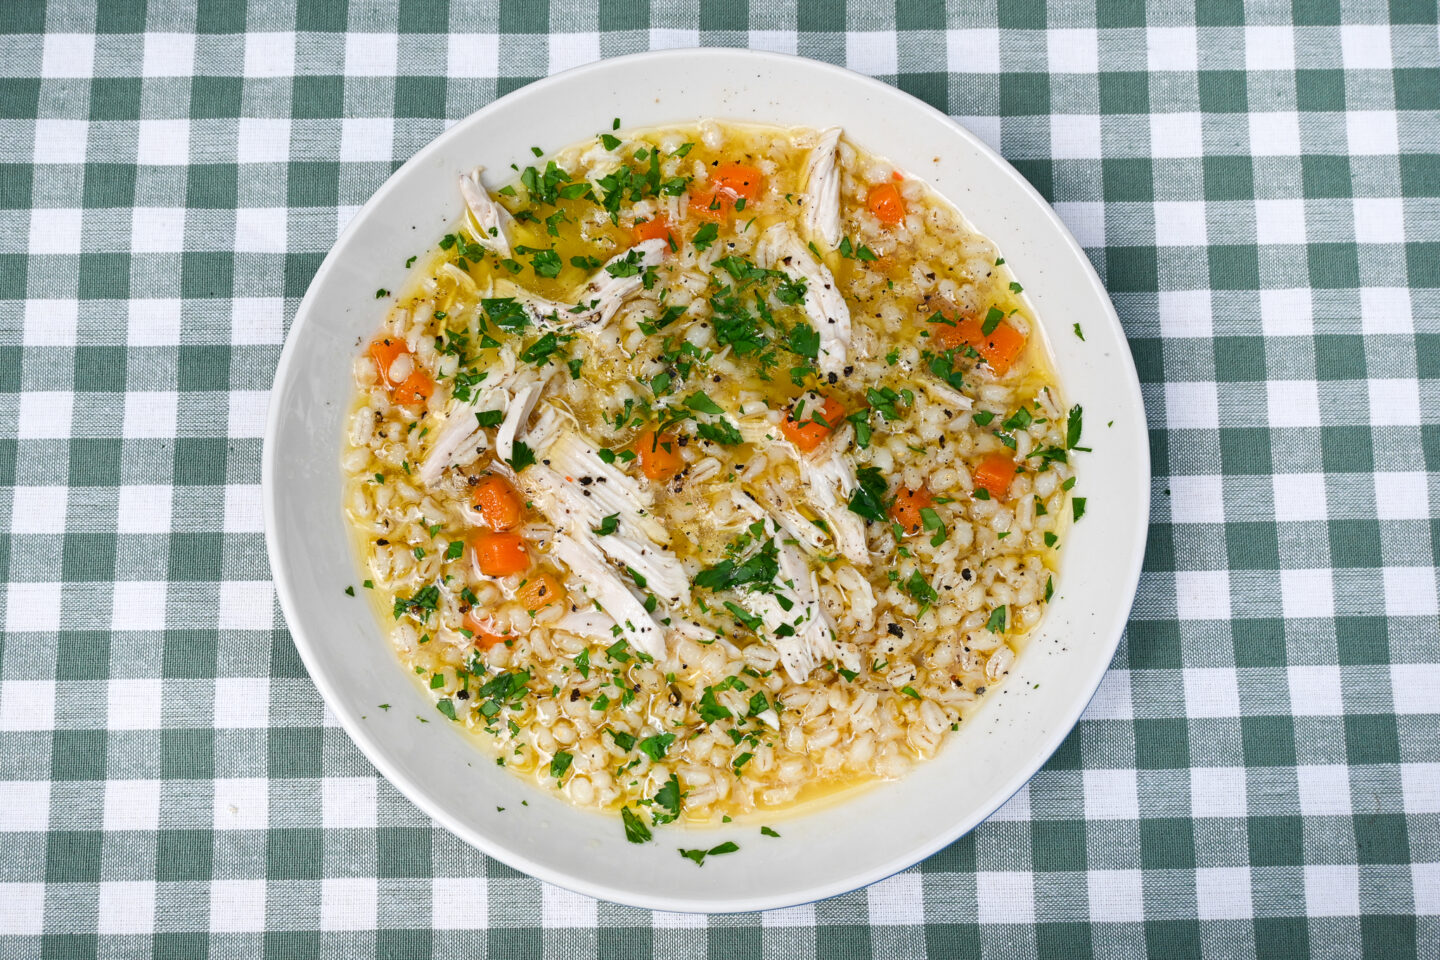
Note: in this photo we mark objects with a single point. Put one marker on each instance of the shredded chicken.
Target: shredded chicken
(603, 294)
(820, 206)
(604, 586)
(494, 221)
(508, 387)
(830, 478)
(780, 249)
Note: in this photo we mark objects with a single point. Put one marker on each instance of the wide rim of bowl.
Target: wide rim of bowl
(377, 753)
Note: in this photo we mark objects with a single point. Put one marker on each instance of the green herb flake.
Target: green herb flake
(767, 832)
(996, 623)
(1077, 504)
(560, 763)
(635, 829)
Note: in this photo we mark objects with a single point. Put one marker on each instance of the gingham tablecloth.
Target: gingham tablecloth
(1260, 772)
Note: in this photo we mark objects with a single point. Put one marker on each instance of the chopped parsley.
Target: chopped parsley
(868, 500)
(729, 846)
(635, 829)
(608, 525)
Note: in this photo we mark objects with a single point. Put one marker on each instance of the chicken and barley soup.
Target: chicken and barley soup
(708, 468)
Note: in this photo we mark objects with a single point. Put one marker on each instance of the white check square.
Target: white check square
(56, 230)
(22, 909)
(1185, 313)
(1086, 220)
(1287, 312)
(1073, 50)
(459, 903)
(1280, 221)
(1177, 135)
(1005, 896)
(257, 320)
(569, 50)
(125, 907)
(1307, 593)
(1116, 896)
(872, 52)
(144, 509)
(237, 906)
(349, 903)
(562, 908)
(371, 54)
(242, 703)
(24, 806)
(262, 140)
(1379, 219)
(51, 323)
(1415, 688)
(1197, 499)
(1217, 792)
(39, 510)
(1386, 310)
(1192, 405)
(26, 704)
(163, 143)
(347, 803)
(132, 805)
(1293, 403)
(32, 606)
(60, 141)
(68, 55)
(153, 323)
(1211, 692)
(150, 414)
(1180, 223)
(1075, 136)
(169, 55)
(243, 513)
(1365, 46)
(246, 605)
(1275, 134)
(1315, 687)
(157, 229)
(1402, 495)
(134, 704)
(261, 229)
(973, 50)
(472, 55)
(1395, 403)
(1223, 893)
(1332, 890)
(1324, 790)
(241, 804)
(247, 413)
(366, 139)
(1111, 795)
(1410, 591)
(138, 605)
(1202, 594)
(1299, 497)
(269, 54)
(1269, 48)
(1373, 133)
(1171, 48)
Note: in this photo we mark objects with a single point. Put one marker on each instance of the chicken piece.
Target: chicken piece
(820, 205)
(604, 586)
(780, 249)
(511, 388)
(494, 221)
(603, 294)
(830, 478)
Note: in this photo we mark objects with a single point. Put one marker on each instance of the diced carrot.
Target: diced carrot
(895, 175)
(386, 350)
(500, 554)
(417, 385)
(540, 591)
(994, 474)
(657, 228)
(807, 433)
(497, 502)
(1001, 348)
(739, 180)
(886, 203)
(483, 630)
(907, 506)
(416, 388)
(709, 205)
(660, 458)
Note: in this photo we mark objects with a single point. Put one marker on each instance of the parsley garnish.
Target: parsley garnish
(869, 496)
(729, 846)
(608, 525)
(523, 457)
(635, 829)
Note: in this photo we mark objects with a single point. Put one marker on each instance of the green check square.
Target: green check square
(299, 271)
(15, 181)
(317, 98)
(1234, 266)
(1120, 13)
(1228, 178)
(1347, 450)
(313, 184)
(115, 98)
(322, 15)
(212, 186)
(1259, 642)
(95, 462)
(73, 856)
(296, 752)
(180, 944)
(1223, 91)
(1268, 741)
(216, 97)
(406, 944)
(196, 556)
(78, 755)
(1320, 91)
(1412, 11)
(1422, 262)
(525, 16)
(1355, 543)
(120, 16)
(1318, 13)
(1325, 177)
(13, 270)
(285, 944)
(1162, 744)
(1339, 357)
(1391, 936)
(1382, 838)
(203, 367)
(219, 16)
(1220, 13)
(187, 754)
(422, 97)
(1128, 179)
(1420, 174)
(1240, 360)
(1020, 14)
(88, 557)
(207, 275)
(715, 15)
(1160, 545)
(108, 185)
(403, 851)
(1334, 266)
(1124, 91)
(1252, 546)
(199, 461)
(1362, 640)
(19, 97)
(105, 276)
(417, 16)
(100, 369)
(18, 18)
(84, 653)
(1371, 738)
(1245, 451)
(184, 854)
(1276, 841)
(294, 853)
(189, 654)
(1024, 94)
(1282, 937)
(1058, 845)
(1155, 645)
(1167, 843)
(933, 88)
(1131, 269)
(1416, 88)
(1040, 173)
(1174, 939)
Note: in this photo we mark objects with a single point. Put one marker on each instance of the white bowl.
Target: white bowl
(824, 851)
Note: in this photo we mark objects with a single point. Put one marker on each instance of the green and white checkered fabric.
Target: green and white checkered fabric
(1260, 188)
